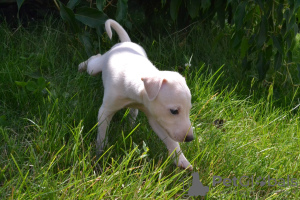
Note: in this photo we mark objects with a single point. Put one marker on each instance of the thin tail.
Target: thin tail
(123, 36)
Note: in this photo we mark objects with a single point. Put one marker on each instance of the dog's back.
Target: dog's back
(92, 65)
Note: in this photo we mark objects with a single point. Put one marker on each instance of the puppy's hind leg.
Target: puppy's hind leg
(93, 65)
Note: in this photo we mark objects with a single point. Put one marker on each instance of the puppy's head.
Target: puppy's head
(169, 102)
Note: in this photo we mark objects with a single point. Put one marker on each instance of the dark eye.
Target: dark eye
(174, 112)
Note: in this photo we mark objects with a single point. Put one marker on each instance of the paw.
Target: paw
(82, 66)
(183, 163)
(132, 116)
(100, 145)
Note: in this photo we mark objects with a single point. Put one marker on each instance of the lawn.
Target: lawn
(48, 113)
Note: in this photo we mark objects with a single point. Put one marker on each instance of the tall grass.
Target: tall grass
(47, 138)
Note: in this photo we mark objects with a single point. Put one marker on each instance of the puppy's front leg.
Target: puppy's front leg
(172, 146)
(104, 118)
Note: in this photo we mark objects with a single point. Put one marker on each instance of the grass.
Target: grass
(48, 135)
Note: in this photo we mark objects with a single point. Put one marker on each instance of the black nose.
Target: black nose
(189, 138)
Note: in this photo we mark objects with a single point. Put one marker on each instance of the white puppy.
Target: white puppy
(131, 80)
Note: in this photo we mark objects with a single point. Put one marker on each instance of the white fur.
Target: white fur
(119, 29)
(131, 80)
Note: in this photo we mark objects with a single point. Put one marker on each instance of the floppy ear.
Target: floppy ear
(152, 86)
